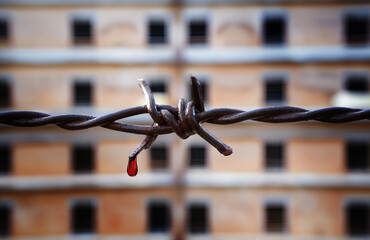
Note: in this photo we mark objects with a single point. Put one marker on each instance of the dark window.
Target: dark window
(82, 94)
(5, 159)
(82, 32)
(83, 159)
(4, 30)
(274, 156)
(358, 219)
(275, 218)
(157, 32)
(159, 217)
(4, 93)
(357, 84)
(83, 217)
(198, 218)
(5, 220)
(197, 32)
(356, 29)
(274, 30)
(159, 158)
(203, 91)
(197, 156)
(157, 87)
(357, 156)
(275, 91)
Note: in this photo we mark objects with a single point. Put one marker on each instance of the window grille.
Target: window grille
(198, 218)
(83, 159)
(157, 32)
(159, 219)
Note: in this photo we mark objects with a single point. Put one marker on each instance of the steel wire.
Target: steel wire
(186, 119)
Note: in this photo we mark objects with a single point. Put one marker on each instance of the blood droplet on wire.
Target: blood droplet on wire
(132, 167)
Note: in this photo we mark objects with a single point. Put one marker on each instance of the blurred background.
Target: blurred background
(306, 180)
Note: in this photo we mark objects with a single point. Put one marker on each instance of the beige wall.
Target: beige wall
(316, 155)
(41, 159)
(116, 87)
(302, 155)
(314, 212)
(125, 26)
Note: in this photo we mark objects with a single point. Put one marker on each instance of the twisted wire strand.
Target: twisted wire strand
(185, 120)
(223, 116)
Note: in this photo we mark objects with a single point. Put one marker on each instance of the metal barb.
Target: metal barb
(185, 120)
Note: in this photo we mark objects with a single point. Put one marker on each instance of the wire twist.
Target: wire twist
(185, 120)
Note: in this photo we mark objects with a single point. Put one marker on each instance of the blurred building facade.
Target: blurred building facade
(304, 180)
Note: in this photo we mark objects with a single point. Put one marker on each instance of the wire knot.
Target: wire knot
(184, 122)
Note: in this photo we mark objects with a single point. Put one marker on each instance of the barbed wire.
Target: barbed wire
(185, 120)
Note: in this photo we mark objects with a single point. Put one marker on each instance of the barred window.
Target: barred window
(275, 221)
(5, 95)
(159, 217)
(159, 158)
(197, 156)
(356, 29)
(274, 30)
(4, 29)
(275, 90)
(83, 159)
(157, 32)
(82, 93)
(274, 156)
(358, 219)
(198, 218)
(158, 87)
(357, 155)
(5, 220)
(82, 32)
(357, 83)
(83, 217)
(198, 31)
(5, 159)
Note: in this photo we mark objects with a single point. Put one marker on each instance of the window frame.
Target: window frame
(277, 201)
(193, 18)
(166, 160)
(347, 160)
(84, 146)
(350, 200)
(354, 12)
(95, 205)
(166, 202)
(83, 81)
(10, 159)
(356, 74)
(275, 13)
(283, 156)
(276, 78)
(207, 205)
(7, 19)
(166, 24)
(6, 79)
(9, 204)
(193, 146)
(83, 16)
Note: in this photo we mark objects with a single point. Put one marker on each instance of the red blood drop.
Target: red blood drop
(132, 167)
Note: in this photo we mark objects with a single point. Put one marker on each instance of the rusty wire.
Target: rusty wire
(185, 120)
